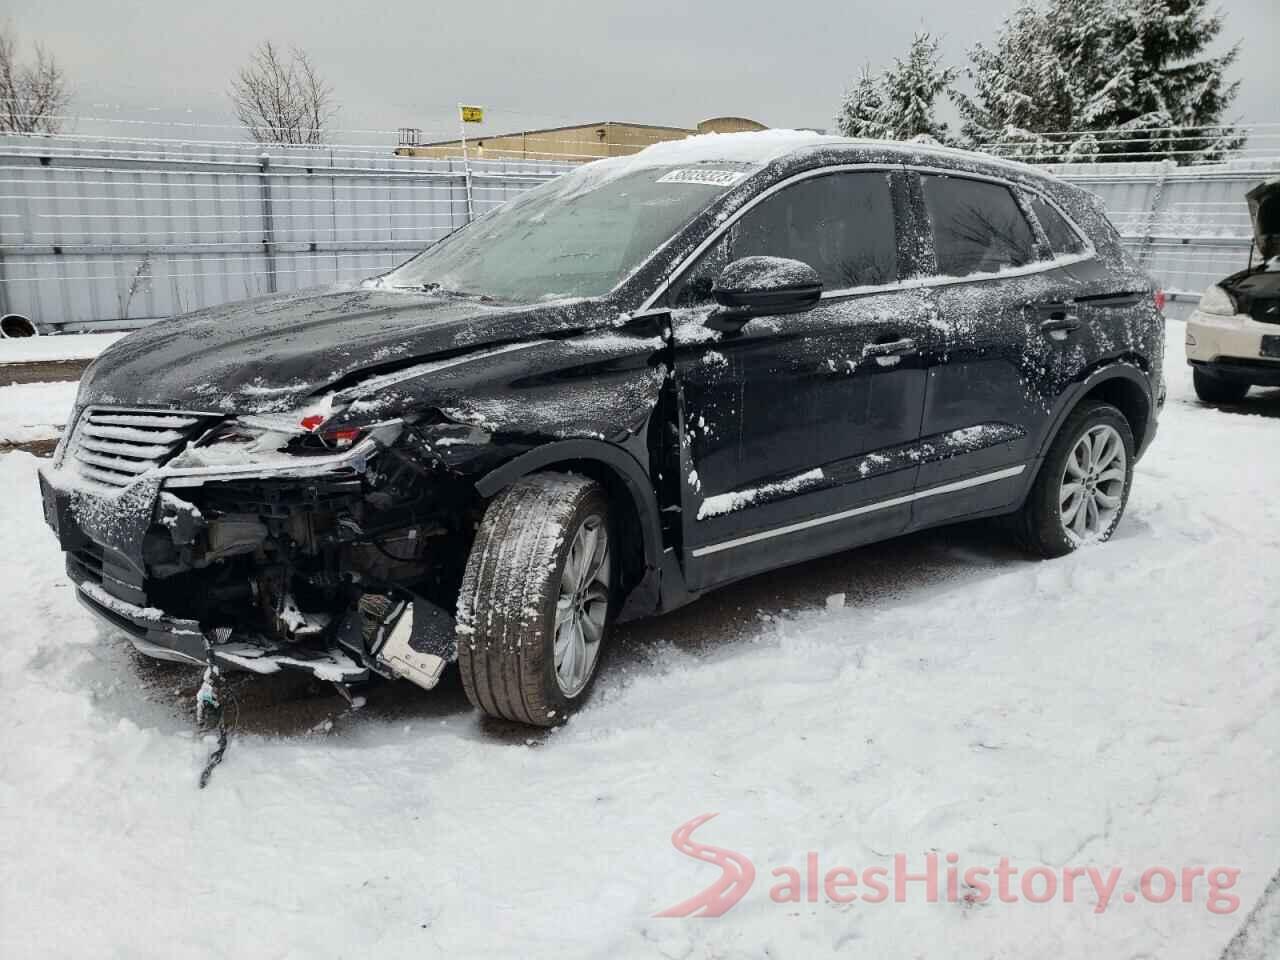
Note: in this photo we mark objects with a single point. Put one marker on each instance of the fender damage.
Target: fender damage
(335, 547)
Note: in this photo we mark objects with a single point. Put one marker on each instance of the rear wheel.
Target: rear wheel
(535, 606)
(1083, 484)
(1212, 389)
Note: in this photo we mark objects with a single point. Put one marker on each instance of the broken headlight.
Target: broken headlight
(326, 439)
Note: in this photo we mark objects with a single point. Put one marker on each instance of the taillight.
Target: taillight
(1159, 298)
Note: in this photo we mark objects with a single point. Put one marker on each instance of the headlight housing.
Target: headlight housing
(1217, 302)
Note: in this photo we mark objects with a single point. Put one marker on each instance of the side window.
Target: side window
(841, 224)
(978, 227)
(1063, 240)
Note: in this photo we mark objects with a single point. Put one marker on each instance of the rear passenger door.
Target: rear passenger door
(793, 429)
(998, 293)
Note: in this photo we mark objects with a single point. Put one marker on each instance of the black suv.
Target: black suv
(645, 379)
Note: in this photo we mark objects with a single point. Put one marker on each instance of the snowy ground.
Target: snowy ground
(71, 346)
(34, 411)
(1118, 708)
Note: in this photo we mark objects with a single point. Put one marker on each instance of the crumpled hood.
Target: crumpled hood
(270, 354)
(1264, 211)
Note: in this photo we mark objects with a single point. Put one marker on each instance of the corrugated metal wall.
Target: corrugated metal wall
(99, 233)
(1187, 226)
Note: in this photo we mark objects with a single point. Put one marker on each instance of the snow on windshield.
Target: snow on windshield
(573, 237)
(584, 233)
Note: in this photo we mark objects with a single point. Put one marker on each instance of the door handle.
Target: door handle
(1060, 325)
(888, 353)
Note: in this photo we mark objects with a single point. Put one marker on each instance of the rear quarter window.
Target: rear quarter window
(977, 226)
(1063, 239)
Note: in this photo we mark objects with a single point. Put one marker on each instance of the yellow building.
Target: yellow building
(586, 141)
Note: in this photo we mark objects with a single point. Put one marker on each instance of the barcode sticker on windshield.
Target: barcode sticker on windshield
(713, 178)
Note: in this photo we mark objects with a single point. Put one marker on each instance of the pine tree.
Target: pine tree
(912, 88)
(1169, 83)
(1117, 68)
(860, 112)
(899, 103)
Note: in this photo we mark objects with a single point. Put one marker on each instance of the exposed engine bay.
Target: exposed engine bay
(349, 571)
(285, 557)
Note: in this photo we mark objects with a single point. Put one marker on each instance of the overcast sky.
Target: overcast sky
(400, 63)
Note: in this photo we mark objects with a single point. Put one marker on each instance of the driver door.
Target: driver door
(796, 431)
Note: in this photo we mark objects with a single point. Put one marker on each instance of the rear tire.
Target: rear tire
(536, 604)
(1212, 389)
(1079, 495)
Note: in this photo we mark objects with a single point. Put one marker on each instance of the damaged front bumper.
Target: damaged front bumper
(109, 536)
(162, 637)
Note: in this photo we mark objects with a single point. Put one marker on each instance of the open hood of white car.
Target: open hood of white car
(1264, 210)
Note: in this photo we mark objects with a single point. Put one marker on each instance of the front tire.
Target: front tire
(1083, 486)
(1212, 389)
(535, 606)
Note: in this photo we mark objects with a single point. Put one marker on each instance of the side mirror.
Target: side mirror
(763, 286)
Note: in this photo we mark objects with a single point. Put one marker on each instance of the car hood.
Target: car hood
(1264, 211)
(271, 354)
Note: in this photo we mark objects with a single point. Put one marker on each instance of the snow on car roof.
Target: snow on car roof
(757, 147)
(762, 147)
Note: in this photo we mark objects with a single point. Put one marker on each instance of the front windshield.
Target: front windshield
(578, 236)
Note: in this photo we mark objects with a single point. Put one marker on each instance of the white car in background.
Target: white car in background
(1233, 337)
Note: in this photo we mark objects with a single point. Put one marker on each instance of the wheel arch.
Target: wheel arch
(625, 481)
(1124, 385)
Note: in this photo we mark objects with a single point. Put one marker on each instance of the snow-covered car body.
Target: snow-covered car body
(295, 469)
(1233, 337)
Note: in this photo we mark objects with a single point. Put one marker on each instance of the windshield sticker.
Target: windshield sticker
(713, 178)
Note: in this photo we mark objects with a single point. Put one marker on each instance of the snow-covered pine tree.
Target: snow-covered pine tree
(1170, 82)
(911, 90)
(899, 103)
(860, 111)
(1034, 81)
(1114, 67)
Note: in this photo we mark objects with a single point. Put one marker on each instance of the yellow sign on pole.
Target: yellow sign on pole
(472, 114)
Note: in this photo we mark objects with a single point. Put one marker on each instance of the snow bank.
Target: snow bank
(35, 411)
(1120, 707)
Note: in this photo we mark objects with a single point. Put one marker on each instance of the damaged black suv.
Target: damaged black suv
(647, 378)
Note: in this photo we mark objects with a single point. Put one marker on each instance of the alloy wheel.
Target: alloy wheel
(583, 606)
(1091, 493)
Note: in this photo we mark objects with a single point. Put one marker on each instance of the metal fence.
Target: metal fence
(1186, 225)
(102, 233)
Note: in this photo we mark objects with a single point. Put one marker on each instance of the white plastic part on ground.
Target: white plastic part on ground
(69, 346)
(35, 411)
(1119, 707)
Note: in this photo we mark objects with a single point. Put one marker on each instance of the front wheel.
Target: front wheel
(1216, 390)
(535, 606)
(1083, 484)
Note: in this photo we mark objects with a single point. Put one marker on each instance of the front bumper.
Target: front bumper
(162, 637)
(1235, 348)
(101, 532)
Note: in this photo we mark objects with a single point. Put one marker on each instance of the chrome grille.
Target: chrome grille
(115, 447)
